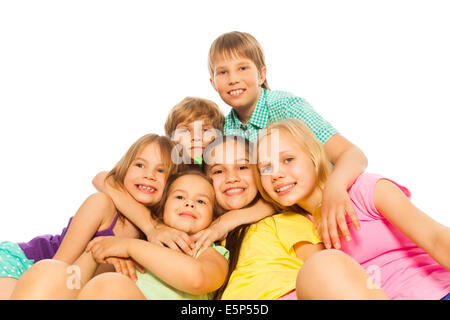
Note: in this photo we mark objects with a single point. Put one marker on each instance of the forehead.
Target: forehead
(230, 56)
(150, 150)
(189, 122)
(230, 152)
(185, 183)
(277, 142)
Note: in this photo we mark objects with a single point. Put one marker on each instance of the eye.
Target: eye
(201, 201)
(221, 72)
(161, 170)
(217, 171)
(266, 169)
(243, 167)
(244, 68)
(287, 160)
(139, 165)
(179, 197)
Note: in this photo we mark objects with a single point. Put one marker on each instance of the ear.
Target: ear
(262, 75)
(212, 83)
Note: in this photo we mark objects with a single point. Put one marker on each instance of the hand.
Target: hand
(335, 205)
(105, 247)
(99, 181)
(126, 266)
(205, 237)
(172, 238)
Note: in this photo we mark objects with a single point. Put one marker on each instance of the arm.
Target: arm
(349, 162)
(96, 211)
(230, 220)
(305, 249)
(427, 233)
(140, 216)
(134, 211)
(197, 276)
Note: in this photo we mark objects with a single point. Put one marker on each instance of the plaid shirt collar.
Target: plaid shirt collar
(260, 115)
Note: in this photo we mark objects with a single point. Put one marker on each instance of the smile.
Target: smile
(234, 191)
(146, 189)
(187, 214)
(285, 189)
(235, 93)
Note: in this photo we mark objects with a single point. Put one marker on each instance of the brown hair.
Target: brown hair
(237, 44)
(192, 108)
(235, 237)
(158, 213)
(165, 146)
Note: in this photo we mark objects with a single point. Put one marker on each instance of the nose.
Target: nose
(277, 174)
(149, 174)
(232, 176)
(189, 203)
(233, 78)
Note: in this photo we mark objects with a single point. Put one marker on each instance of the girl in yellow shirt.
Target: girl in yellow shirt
(265, 256)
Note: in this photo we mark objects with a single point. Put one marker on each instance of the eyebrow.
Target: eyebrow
(198, 194)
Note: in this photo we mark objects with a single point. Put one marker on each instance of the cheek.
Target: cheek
(266, 182)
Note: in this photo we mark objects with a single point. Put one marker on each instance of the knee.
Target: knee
(105, 286)
(37, 281)
(332, 274)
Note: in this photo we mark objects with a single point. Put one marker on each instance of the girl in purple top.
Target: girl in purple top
(142, 172)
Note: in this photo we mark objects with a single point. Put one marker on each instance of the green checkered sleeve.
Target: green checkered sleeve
(299, 108)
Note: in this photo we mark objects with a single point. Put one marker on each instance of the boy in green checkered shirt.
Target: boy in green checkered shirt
(238, 73)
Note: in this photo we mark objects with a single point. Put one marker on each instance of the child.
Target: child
(192, 122)
(170, 274)
(265, 256)
(142, 171)
(405, 249)
(238, 73)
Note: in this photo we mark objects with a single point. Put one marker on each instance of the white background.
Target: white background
(82, 80)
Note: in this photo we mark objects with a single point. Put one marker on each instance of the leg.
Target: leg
(111, 286)
(7, 286)
(47, 279)
(333, 275)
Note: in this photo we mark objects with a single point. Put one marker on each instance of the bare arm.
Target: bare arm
(427, 233)
(230, 220)
(96, 210)
(349, 162)
(140, 216)
(134, 211)
(197, 276)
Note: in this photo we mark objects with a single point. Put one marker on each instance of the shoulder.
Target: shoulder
(101, 200)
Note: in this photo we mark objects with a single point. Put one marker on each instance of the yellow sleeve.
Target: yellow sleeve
(293, 227)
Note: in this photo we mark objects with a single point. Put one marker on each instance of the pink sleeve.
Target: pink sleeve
(361, 194)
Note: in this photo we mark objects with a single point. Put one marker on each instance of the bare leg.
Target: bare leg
(333, 275)
(53, 279)
(111, 286)
(7, 286)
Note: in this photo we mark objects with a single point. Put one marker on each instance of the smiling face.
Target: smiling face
(146, 177)
(237, 80)
(288, 174)
(232, 175)
(189, 209)
(195, 136)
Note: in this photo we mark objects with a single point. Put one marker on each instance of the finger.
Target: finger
(124, 266)
(352, 214)
(115, 263)
(188, 240)
(180, 242)
(342, 223)
(332, 229)
(131, 270)
(172, 245)
(324, 233)
(140, 268)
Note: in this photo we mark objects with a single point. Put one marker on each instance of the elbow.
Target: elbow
(197, 284)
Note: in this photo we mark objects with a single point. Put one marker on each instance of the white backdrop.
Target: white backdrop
(81, 80)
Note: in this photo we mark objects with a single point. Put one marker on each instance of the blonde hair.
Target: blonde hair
(310, 144)
(165, 146)
(237, 44)
(192, 108)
